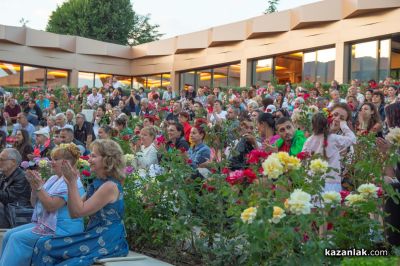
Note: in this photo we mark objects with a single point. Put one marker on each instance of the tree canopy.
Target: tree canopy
(110, 21)
(272, 6)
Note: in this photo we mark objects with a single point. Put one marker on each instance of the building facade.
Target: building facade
(331, 39)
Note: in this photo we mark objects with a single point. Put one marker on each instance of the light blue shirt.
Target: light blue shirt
(30, 128)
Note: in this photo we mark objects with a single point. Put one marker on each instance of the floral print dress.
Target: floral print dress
(104, 237)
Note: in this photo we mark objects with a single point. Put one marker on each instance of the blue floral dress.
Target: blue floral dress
(104, 237)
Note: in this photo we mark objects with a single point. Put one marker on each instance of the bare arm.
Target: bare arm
(77, 207)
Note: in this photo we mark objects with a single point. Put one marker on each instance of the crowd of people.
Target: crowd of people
(260, 117)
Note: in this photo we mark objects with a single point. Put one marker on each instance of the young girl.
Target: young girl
(329, 146)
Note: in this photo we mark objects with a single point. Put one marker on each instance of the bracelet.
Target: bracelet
(39, 189)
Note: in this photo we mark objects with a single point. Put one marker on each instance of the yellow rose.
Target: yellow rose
(368, 190)
(353, 199)
(272, 167)
(318, 166)
(331, 197)
(277, 215)
(289, 162)
(300, 202)
(248, 215)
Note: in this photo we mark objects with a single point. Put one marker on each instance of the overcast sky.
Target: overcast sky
(175, 17)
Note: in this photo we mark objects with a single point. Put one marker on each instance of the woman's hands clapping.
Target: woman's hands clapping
(69, 172)
(34, 180)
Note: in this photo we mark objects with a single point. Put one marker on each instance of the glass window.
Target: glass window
(153, 81)
(220, 78)
(262, 71)
(56, 77)
(166, 80)
(395, 58)
(85, 78)
(9, 75)
(34, 76)
(326, 65)
(384, 59)
(234, 75)
(187, 79)
(364, 61)
(138, 82)
(309, 66)
(101, 79)
(204, 78)
(125, 81)
(288, 68)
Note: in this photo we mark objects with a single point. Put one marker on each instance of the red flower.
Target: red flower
(235, 177)
(36, 152)
(303, 155)
(207, 187)
(380, 192)
(126, 137)
(189, 161)
(329, 226)
(84, 157)
(213, 170)
(250, 175)
(165, 109)
(182, 149)
(261, 170)
(86, 173)
(325, 143)
(255, 155)
(344, 194)
(225, 170)
(160, 140)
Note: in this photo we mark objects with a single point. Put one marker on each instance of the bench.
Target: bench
(133, 259)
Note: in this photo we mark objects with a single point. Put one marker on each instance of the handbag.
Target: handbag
(18, 215)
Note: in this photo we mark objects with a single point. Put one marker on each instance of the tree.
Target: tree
(103, 20)
(272, 6)
(143, 31)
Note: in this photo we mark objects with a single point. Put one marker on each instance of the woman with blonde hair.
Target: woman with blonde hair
(50, 216)
(105, 234)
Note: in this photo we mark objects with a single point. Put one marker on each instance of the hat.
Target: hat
(270, 109)
(43, 132)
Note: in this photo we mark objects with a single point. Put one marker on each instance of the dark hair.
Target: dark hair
(121, 121)
(201, 130)
(282, 120)
(55, 103)
(375, 117)
(320, 126)
(106, 128)
(282, 100)
(26, 141)
(392, 112)
(184, 114)
(103, 107)
(218, 101)
(178, 127)
(267, 101)
(345, 107)
(267, 118)
(380, 94)
(316, 91)
(3, 137)
(283, 111)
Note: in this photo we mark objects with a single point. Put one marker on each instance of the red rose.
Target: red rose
(256, 155)
(225, 170)
(235, 177)
(213, 170)
(250, 175)
(303, 155)
(329, 226)
(207, 187)
(126, 137)
(86, 173)
(380, 192)
(344, 194)
(84, 157)
(189, 161)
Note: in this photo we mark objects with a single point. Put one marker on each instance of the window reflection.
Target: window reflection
(262, 71)
(101, 80)
(166, 80)
(364, 61)
(85, 78)
(9, 75)
(34, 76)
(57, 77)
(220, 78)
(153, 81)
(289, 68)
(124, 80)
(234, 75)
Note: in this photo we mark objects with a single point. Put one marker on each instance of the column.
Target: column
(340, 62)
(73, 78)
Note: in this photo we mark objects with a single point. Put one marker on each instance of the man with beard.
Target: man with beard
(290, 141)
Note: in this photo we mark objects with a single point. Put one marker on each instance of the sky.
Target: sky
(175, 17)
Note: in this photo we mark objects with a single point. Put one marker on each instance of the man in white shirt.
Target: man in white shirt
(95, 99)
(169, 94)
(116, 84)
